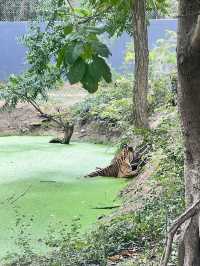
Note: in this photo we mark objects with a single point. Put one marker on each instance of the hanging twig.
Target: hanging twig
(192, 211)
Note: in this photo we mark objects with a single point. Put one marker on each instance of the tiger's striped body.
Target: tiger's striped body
(119, 167)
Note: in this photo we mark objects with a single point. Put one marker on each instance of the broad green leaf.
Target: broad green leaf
(101, 49)
(88, 52)
(94, 71)
(96, 30)
(92, 37)
(104, 69)
(60, 2)
(68, 29)
(83, 12)
(78, 50)
(68, 58)
(60, 57)
(77, 71)
(89, 83)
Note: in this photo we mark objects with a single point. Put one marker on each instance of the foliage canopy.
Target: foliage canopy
(71, 37)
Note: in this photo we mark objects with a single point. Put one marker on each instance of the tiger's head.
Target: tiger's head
(128, 152)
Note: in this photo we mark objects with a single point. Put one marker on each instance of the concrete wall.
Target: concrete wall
(157, 30)
(12, 53)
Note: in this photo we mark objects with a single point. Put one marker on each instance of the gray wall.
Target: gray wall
(157, 30)
(12, 53)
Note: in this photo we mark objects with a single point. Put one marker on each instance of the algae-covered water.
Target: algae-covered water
(46, 181)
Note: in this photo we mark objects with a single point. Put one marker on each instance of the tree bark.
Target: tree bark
(188, 61)
(68, 132)
(141, 63)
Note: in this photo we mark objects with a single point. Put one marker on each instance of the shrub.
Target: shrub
(111, 104)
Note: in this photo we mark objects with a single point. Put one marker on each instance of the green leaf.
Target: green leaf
(82, 11)
(101, 49)
(89, 83)
(68, 57)
(60, 57)
(96, 30)
(88, 52)
(103, 68)
(60, 2)
(68, 29)
(77, 71)
(94, 71)
(78, 50)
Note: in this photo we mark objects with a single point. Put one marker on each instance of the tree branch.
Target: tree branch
(60, 118)
(195, 40)
(192, 211)
(70, 5)
(34, 104)
(95, 16)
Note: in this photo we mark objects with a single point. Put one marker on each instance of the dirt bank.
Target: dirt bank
(25, 120)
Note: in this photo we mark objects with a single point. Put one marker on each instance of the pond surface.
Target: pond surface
(46, 181)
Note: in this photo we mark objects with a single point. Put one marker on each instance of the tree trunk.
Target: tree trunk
(188, 56)
(68, 131)
(141, 63)
(23, 12)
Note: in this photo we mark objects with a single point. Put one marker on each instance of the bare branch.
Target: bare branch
(195, 40)
(35, 105)
(192, 211)
(70, 5)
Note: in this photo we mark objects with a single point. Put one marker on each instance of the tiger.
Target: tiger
(120, 165)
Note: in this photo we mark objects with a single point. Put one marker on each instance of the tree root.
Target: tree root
(192, 211)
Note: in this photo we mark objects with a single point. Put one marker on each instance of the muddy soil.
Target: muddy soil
(25, 120)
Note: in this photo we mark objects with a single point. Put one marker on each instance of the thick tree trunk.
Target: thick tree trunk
(141, 63)
(188, 55)
(68, 131)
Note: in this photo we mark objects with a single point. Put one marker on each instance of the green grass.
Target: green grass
(25, 161)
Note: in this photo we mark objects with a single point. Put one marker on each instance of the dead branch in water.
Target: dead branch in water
(47, 181)
(21, 195)
(106, 207)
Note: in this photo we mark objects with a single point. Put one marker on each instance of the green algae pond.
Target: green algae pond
(45, 183)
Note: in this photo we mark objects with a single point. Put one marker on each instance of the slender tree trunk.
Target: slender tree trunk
(23, 12)
(141, 63)
(188, 56)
